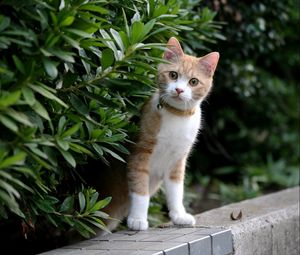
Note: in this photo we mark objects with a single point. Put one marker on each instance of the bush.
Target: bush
(72, 74)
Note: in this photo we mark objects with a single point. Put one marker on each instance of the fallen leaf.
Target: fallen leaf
(238, 217)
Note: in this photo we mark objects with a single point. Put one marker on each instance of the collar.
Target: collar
(175, 111)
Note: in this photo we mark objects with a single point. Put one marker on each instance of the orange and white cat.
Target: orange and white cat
(169, 127)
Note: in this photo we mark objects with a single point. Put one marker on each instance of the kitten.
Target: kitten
(169, 126)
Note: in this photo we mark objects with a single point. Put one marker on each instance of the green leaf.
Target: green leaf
(124, 38)
(14, 180)
(37, 151)
(9, 123)
(45, 206)
(78, 105)
(63, 55)
(4, 22)
(136, 32)
(40, 110)
(9, 98)
(107, 58)
(50, 68)
(67, 21)
(19, 116)
(78, 32)
(93, 199)
(47, 93)
(11, 203)
(118, 39)
(80, 149)
(113, 154)
(94, 8)
(101, 214)
(18, 64)
(98, 149)
(9, 189)
(148, 27)
(71, 130)
(61, 124)
(110, 44)
(28, 96)
(114, 138)
(81, 199)
(13, 160)
(67, 204)
(126, 23)
(97, 222)
(69, 158)
(71, 41)
(101, 204)
(63, 144)
(84, 229)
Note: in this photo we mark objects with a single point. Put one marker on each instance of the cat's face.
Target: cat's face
(187, 80)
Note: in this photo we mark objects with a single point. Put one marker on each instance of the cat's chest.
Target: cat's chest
(174, 141)
(178, 131)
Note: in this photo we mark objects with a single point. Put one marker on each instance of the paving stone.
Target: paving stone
(108, 237)
(160, 238)
(183, 231)
(136, 237)
(188, 238)
(74, 252)
(181, 249)
(160, 246)
(161, 231)
(207, 231)
(123, 245)
(222, 243)
(201, 246)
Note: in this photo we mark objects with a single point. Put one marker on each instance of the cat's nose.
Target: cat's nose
(179, 91)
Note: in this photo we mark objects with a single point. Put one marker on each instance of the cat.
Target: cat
(169, 126)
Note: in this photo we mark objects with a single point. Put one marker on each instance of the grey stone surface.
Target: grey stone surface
(270, 223)
(222, 242)
(269, 226)
(177, 250)
(201, 246)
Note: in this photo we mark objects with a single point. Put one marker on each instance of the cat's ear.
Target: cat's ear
(174, 50)
(209, 63)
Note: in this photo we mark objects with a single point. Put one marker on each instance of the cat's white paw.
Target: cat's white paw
(182, 218)
(137, 224)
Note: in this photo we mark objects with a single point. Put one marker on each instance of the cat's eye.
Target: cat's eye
(193, 82)
(173, 75)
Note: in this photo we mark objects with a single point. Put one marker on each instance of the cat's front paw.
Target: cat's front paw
(182, 218)
(137, 224)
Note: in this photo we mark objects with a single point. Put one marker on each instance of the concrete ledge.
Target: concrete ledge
(269, 226)
(160, 241)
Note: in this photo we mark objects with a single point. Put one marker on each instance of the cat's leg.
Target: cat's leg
(174, 192)
(138, 182)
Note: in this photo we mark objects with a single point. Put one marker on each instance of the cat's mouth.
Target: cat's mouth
(178, 98)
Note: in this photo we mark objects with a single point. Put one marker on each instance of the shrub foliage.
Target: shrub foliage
(72, 73)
